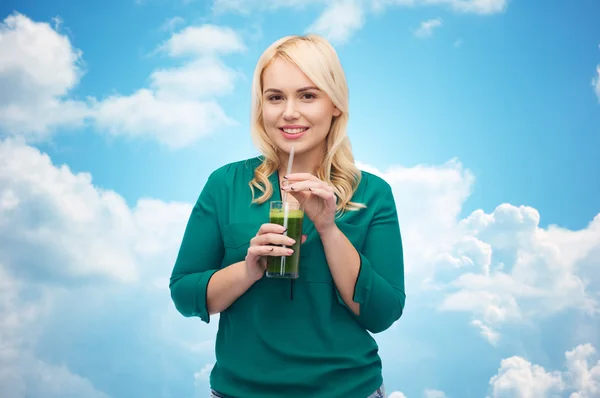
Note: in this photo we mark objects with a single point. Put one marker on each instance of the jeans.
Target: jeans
(380, 393)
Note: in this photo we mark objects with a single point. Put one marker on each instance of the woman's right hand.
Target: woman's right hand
(268, 242)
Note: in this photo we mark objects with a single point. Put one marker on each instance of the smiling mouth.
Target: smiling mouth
(294, 130)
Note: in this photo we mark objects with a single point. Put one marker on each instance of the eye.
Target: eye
(308, 96)
(275, 97)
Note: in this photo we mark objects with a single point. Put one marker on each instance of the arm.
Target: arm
(370, 283)
(197, 287)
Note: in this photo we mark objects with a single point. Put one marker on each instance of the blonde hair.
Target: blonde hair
(314, 56)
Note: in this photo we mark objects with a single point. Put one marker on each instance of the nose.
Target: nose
(290, 112)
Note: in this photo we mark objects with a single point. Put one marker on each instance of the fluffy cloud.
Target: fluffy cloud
(514, 270)
(203, 40)
(40, 68)
(427, 28)
(428, 393)
(466, 6)
(179, 107)
(340, 19)
(500, 268)
(518, 377)
(80, 269)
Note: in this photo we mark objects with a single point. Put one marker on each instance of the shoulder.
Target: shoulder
(230, 176)
(372, 183)
(375, 192)
(230, 170)
(226, 174)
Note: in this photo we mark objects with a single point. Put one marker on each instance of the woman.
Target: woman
(312, 341)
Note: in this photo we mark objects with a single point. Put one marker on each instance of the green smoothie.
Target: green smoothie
(286, 266)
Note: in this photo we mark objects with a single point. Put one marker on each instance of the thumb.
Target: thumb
(303, 239)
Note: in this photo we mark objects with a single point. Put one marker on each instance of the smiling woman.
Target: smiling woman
(312, 340)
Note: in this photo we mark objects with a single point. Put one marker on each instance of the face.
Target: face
(295, 111)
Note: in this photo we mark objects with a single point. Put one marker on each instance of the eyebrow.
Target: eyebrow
(300, 90)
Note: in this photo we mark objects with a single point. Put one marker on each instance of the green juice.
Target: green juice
(288, 269)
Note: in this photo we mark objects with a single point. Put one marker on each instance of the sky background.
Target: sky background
(483, 115)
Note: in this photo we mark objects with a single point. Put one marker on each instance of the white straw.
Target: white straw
(289, 170)
(286, 207)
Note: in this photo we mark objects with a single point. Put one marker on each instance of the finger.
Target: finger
(304, 186)
(271, 239)
(271, 228)
(304, 237)
(300, 177)
(300, 196)
(275, 251)
(323, 193)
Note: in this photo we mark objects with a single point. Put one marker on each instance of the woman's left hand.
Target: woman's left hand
(316, 197)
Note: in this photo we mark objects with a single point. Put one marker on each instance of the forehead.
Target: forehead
(281, 74)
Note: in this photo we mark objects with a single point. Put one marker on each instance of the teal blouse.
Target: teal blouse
(271, 343)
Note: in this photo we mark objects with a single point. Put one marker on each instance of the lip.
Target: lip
(293, 126)
(293, 136)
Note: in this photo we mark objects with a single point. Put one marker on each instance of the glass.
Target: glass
(289, 215)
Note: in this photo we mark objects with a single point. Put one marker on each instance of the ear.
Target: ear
(336, 112)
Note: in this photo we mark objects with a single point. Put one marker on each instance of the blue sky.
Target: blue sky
(484, 115)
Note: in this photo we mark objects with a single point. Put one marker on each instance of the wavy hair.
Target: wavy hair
(314, 56)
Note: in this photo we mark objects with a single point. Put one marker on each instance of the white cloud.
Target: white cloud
(473, 6)
(501, 268)
(429, 393)
(427, 27)
(596, 82)
(202, 78)
(38, 69)
(519, 378)
(534, 272)
(173, 122)
(77, 263)
(21, 373)
(171, 24)
(339, 21)
(397, 394)
(247, 6)
(179, 106)
(65, 229)
(466, 6)
(203, 40)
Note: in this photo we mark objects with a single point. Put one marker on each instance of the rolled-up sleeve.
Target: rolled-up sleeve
(200, 253)
(379, 286)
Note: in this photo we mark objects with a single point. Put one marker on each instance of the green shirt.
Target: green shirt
(309, 344)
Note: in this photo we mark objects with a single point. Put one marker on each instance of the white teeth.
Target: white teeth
(294, 131)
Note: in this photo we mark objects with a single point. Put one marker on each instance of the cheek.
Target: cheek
(323, 117)
(270, 116)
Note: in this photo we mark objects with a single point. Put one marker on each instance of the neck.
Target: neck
(307, 162)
